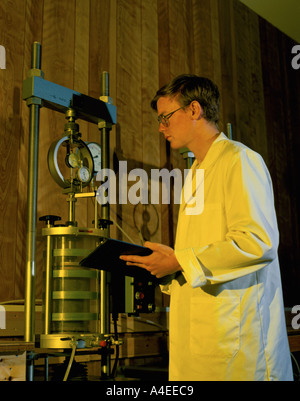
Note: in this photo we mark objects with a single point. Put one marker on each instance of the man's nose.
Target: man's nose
(161, 128)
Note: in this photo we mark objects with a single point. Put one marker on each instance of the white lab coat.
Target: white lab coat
(226, 308)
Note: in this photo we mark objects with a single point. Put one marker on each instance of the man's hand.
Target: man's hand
(160, 263)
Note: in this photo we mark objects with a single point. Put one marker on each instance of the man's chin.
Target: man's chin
(175, 145)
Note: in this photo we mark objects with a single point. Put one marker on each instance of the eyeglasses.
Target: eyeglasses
(164, 120)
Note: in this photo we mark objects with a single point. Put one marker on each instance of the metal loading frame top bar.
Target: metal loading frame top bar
(60, 98)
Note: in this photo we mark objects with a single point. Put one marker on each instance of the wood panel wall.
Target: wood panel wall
(142, 44)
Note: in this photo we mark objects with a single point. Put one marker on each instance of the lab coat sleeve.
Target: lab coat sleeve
(251, 240)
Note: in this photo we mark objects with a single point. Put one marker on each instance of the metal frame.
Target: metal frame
(41, 93)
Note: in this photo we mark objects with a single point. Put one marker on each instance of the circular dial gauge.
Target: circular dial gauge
(95, 150)
(73, 160)
(84, 174)
(79, 157)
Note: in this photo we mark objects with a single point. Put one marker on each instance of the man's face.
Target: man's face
(177, 131)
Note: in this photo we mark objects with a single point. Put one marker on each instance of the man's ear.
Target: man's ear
(196, 109)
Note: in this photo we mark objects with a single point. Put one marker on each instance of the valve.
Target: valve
(103, 223)
(50, 219)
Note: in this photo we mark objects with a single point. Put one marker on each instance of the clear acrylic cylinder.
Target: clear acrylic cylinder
(71, 292)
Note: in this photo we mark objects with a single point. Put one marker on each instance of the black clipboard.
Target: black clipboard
(107, 257)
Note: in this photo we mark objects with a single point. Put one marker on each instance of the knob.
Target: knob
(139, 295)
(50, 219)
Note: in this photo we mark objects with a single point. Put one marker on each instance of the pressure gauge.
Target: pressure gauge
(79, 157)
(84, 174)
(73, 160)
(95, 150)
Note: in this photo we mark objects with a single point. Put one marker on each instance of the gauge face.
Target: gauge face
(73, 160)
(84, 174)
(78, 157)
(95, 150)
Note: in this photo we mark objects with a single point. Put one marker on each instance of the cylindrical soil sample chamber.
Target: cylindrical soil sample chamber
(71, 299)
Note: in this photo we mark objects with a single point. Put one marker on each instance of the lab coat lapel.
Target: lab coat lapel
(195, 181)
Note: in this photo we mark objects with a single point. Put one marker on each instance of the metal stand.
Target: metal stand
(41, 93)
(188, 157)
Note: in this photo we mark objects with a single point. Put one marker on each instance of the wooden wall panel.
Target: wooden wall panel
(99, 43)
(129, 89)
(147, 217)
(81, 84)
(181, 37)
(251, 128)
(206, 50)
(129, 136)
(181, 62)
(163, 23)
(229, 85)
(58, 65)
(33, 32)
(281, 93)
(102, 46)
(143, 44)
(11, 135)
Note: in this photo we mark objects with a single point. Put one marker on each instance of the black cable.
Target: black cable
(114, 370)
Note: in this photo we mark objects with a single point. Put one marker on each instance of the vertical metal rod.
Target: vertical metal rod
(96, 214)
(105, 208)
(105, 212)
(72, 201)
(48, 284)
(104, 303)
(29, 304)
(189, 162)
(105, 153)
(104, 83)
(31, 223)
(105, 276)
(104, 307)
(32, 206)
(229, 130)
(36, 56)
(46, 368)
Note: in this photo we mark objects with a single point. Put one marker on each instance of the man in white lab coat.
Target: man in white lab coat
(226, 308)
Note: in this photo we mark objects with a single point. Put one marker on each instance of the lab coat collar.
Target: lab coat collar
(210, 158)
(213, 152)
